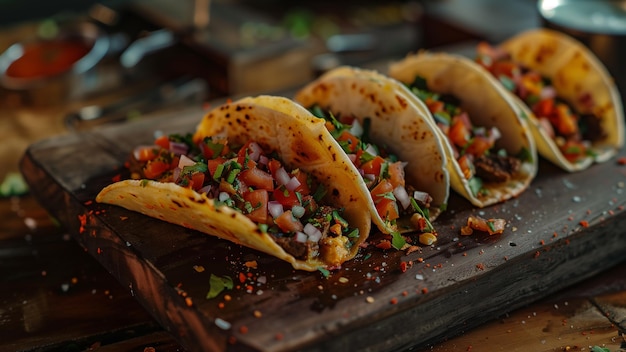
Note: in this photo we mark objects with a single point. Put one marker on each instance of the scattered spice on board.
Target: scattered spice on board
(584, 223)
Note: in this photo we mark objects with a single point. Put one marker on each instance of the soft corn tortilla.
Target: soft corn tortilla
(487, 104)
(301, 142)
(574, 72)
(398, 124)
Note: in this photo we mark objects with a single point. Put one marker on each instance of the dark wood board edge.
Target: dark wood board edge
(604, 229)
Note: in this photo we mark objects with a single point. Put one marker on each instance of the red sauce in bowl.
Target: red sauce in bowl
(47, 58)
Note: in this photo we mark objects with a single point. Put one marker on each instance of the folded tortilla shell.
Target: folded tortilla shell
(398, 124)
(300, 142)
(575, 72)
(487, 104)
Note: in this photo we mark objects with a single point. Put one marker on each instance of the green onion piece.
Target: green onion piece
(263, 228)
(232, 175)
(144, 182)
(525, 155)
(218, 172)
(424, 214)
(353, 234)
(442, 117)
(325, 272)
(341, 221)
(492, 227)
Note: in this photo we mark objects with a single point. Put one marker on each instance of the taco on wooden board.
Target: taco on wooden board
(491, 152)
(261, 172)
(391, 141)
(573, 105)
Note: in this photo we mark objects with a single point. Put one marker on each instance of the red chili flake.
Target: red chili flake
(465, 254)
(232, 340)
(89, 202)
(405, 293)
(505, 258)
(117, 178)
(384, 244)
(394, 301)
(480, 266)
(99, 250)
(567, 241)
(542, 242)
(123, 218)
(278, 336)
(420, 260)
(570, 218)
(249, 288)
(424, 290)
(584, 223)
(188, 301)
(251, 264)
(220, 305)
(412, 249)
(555, 235)
(469, 348)
(242, 277)
(403, 266)
(621, 160)
(537, 254)
(83, 221)
(243, 329)
(428, 265)
(621, 207)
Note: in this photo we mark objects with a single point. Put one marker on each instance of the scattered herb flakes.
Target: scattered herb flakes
(397, 240)
(218, 284)
(325, 272)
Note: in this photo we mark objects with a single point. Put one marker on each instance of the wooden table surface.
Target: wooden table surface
(55, 296)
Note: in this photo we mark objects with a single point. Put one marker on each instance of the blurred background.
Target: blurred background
(116, 60)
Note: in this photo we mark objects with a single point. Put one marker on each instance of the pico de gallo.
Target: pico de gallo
(382, 172)
(473, 146)
(573, 133)
(284, 203)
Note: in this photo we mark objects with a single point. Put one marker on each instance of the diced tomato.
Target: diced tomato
(434, 105)
(155, 168)
(210, 153)
(273, 165)
(396, 174)
(288, 223)
(249, 149)
(163, 142)
(351, 141)
(467, 166)
(213, 164)
(387, 209)
(565, 122)
(175, 161)
(382, 188)
(146, 153)
(258, 200)
(506, 68)
(544, 108)
(257, 179)
(459, 133)
(347, 119)
(373, 166)
(479, 146)
(573, 150)
(285, 197)
(197, 180)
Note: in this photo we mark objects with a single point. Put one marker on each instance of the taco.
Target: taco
(389, 140)
(491, 152)
(261, 172)
(574, 107)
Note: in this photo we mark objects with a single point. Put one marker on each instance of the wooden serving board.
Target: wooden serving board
(563, 229)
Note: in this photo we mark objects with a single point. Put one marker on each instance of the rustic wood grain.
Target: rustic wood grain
(563, 229)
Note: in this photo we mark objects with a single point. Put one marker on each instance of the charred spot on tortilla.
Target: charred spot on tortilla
(177, 203)
(403, 103)
(239, 108)
(335, 192)
(199, 201)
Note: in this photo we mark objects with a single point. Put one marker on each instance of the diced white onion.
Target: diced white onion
(185, 161)
(352, 157)
(205, 189)
(300, 237)
(370, 177)
(421, 197)
(314, 234)
(356, 129)
(547, 92)
(297, 211)
(254, 151)
(495, 133)
(263, 160)
(176, 174)
(293, 184)
(402, 196)
(282, 177)
(178, 148)
(371, 149)
(274, 208)
(223, 196)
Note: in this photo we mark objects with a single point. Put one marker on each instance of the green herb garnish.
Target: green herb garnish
(217, 284)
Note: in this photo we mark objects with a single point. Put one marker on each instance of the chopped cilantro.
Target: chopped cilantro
(420, 83)
(353, 234)
(144, 182)
(397, 240)
(325, 272)
(217, 284)
(492, 227)
(216, 148)
(384, 171)
(367, 123)
(524, 155)
(263, 228)
(341, 221)
(507, 83)
(423, 213)
(475, 184)
(192, 169)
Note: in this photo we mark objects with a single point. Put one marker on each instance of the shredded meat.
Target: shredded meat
(591, 128)
(494, 168)
(300, 250)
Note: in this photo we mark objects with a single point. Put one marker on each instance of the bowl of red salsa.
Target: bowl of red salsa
(53, 64)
